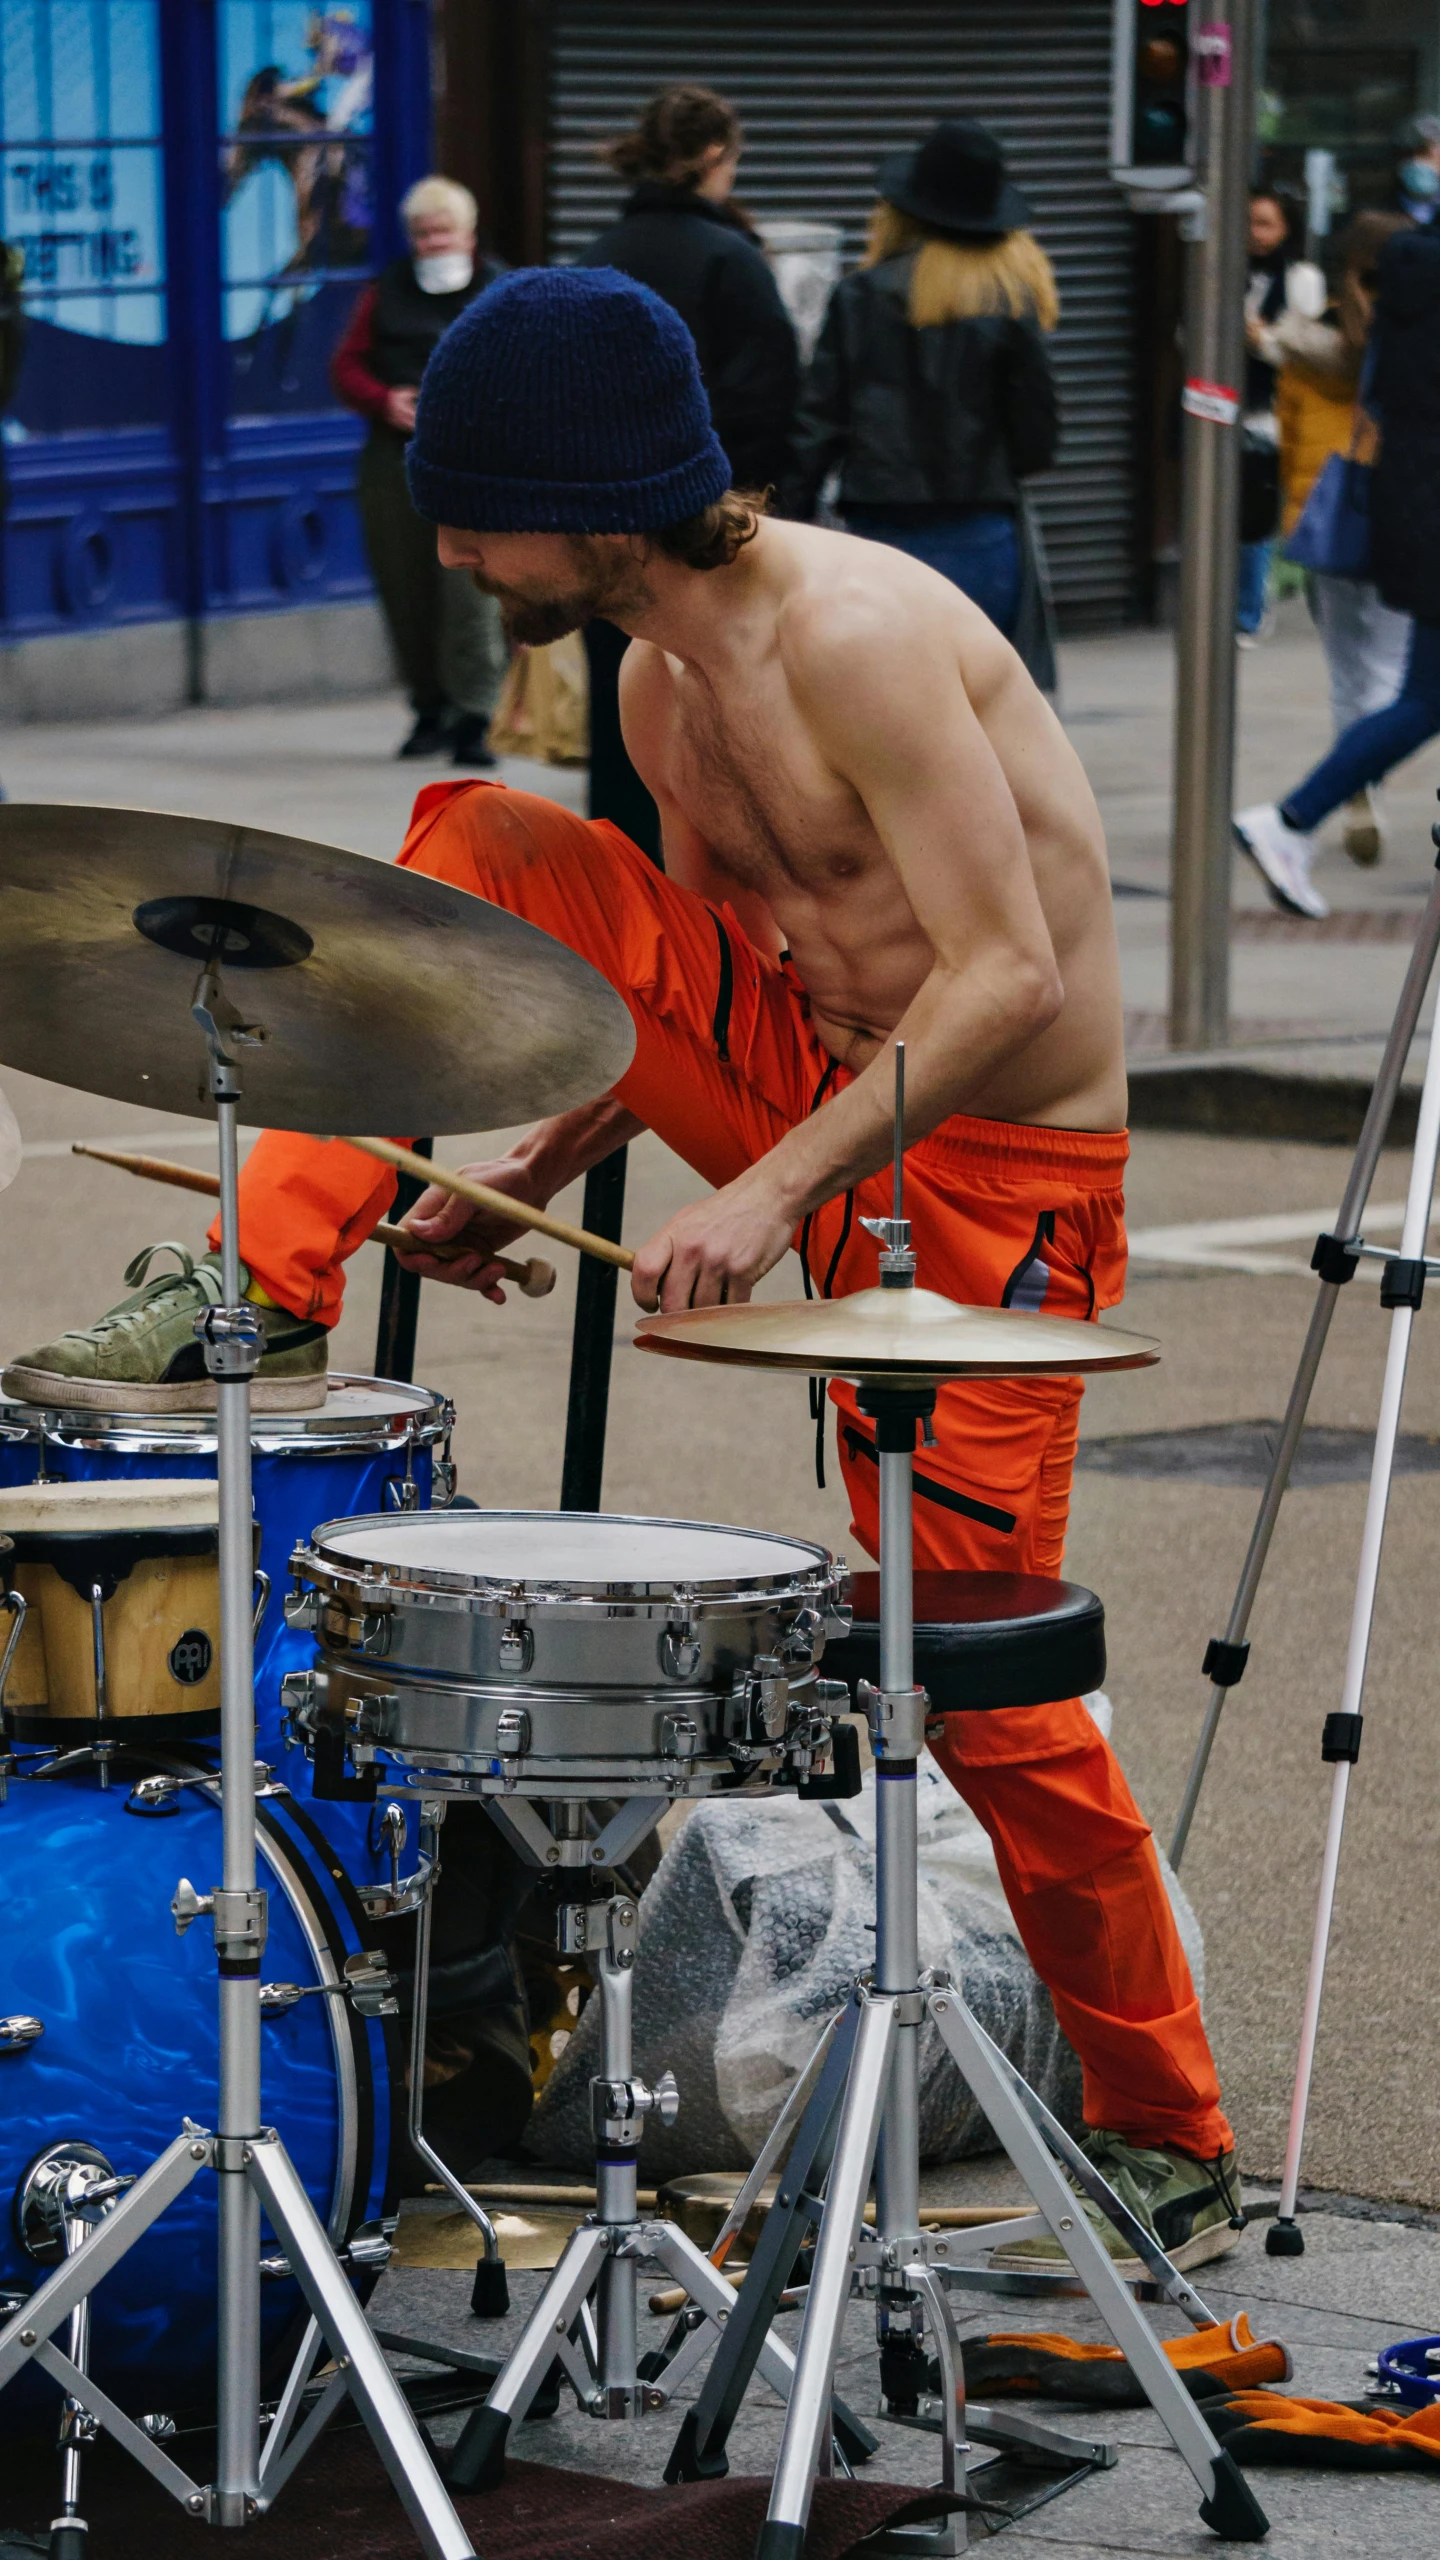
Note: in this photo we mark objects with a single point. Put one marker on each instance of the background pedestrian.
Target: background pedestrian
(1267, 296)
(1403, 397)
(445, 634)
(931, 391)
(682, 233)
(1317, 412)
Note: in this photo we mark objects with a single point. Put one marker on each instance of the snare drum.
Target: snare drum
(120, 1620)
(578, 1654)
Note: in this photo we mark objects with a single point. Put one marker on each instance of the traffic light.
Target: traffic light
(1152, 93)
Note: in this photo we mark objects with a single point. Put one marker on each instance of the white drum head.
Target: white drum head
(145, 1502)
(569, 1547)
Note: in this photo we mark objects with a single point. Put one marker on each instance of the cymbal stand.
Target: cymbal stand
(585, 2320)
(1335, 1259)
(253, 2169)
(865, 2112)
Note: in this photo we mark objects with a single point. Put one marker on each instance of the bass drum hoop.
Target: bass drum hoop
(425, 1420)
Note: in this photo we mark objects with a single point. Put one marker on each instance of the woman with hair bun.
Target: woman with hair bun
(681, 232)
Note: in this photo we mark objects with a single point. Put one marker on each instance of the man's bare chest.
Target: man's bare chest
(750, 781)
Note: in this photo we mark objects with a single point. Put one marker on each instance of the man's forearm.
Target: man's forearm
(560, 1149)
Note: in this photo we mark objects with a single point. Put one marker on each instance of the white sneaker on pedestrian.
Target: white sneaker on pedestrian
(1364, 829)
(1282, 855)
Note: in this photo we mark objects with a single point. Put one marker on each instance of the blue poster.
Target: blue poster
(296, 119)
(80, 164)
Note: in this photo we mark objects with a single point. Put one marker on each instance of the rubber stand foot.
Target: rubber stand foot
(779, 2541)
(69, 2539)
(1232, 2509)
(686, 2464)
(1285, 2239)
(490, 2293)
(478, 2461)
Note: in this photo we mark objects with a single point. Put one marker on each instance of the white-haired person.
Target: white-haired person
(446, 635)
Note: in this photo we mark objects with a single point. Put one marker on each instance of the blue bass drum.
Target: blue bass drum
(126, 2048)
(374, 1445)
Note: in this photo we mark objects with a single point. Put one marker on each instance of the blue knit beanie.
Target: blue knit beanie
(565, 400)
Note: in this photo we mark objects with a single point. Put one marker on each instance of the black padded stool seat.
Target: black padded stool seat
(983, 1640)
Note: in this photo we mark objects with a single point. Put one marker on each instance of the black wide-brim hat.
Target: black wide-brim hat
(954, 181)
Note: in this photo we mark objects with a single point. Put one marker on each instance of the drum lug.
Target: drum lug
(18, 2033)
(517, 1652)
(680, 1642)
(679, 1736)
(512, 1725)
(402, 1493)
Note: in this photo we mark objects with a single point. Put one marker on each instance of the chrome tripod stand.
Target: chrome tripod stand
(1336, 1259)
(865, 2112)
(253, 2170)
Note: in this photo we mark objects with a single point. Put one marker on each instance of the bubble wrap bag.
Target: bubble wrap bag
(751, 1932)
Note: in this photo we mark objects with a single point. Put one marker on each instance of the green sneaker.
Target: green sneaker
(1192, 2206)
(144, 1356)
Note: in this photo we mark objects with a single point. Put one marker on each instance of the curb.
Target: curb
(1230, 1099)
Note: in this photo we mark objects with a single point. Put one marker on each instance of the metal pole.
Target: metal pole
(400, 1293)
(583, 1467)
(1209, 533)
(237, 2466)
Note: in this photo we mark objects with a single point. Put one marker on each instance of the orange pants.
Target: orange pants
(726, 1061)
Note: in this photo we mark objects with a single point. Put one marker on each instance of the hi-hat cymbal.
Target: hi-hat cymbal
(388, 1000)
(893, 1333)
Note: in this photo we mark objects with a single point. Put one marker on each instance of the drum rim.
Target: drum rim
(553, 1592)
(422, 1418)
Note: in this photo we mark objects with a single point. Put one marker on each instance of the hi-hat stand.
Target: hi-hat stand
(252, 2168)
(864, 2113)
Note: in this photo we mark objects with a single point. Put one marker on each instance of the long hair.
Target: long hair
(673, 134)
(965, 279)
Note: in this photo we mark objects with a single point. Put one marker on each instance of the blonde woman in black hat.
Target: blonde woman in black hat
(931, 390)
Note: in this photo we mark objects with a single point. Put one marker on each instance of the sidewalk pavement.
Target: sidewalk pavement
(1164, 1550)
(1310, 1002)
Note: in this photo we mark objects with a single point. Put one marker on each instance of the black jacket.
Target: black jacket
(1404, 394)
(955, 416)
(407, 325)
(700, 260)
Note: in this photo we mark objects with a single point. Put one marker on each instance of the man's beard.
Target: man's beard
(608, 584)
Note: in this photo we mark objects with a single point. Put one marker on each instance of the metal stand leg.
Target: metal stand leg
(1226, 1656)
(490, 2295)
(1401, 1291)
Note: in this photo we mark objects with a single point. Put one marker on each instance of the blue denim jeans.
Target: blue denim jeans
(1370, 747)
(1251, 585)
(976, 548)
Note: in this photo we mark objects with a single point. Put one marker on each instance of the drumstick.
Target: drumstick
(480, 1194)
(534, 1279)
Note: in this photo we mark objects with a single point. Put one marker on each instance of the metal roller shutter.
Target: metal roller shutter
(825, 87)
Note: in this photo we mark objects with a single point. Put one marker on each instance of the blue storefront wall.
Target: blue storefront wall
(200, 189)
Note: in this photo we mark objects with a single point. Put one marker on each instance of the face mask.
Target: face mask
(449, 271)
(1421, 180)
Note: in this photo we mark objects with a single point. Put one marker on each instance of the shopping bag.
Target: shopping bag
(1333, 534)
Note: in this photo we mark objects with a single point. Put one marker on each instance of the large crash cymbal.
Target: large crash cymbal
(388, 1000)
(893, 1333)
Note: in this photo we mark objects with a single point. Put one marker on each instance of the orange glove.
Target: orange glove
(1328, 2435)
(1046, 2365)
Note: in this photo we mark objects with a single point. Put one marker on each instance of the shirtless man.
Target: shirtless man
(873, 825)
